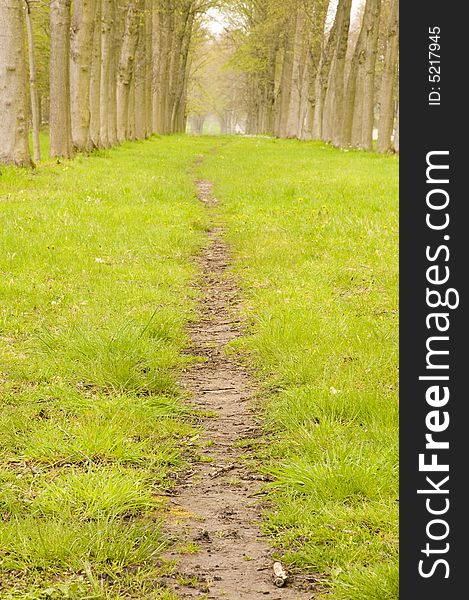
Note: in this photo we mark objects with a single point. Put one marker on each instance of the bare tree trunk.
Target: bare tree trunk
(126, 67)
(140, 78)
(350, 93)
(32, 85)
(148, 81)
(107, 24)
(60, 120)
(396, 132)
(318, 20)
(81, 48)
(116, 37)
(334, 98)
(161, 49)
(14, 144)
(178, 119)
(357, 128)
(95, 80)
(322, 81)
(366, 141)
(338, 82)
(299, 56)
(286, 77)
(131, 135)
(386, 115)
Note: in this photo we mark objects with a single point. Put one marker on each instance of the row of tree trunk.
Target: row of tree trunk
(318, 80)
(118, 71)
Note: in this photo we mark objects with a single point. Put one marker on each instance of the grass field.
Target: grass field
(95, 295)
(314, 233)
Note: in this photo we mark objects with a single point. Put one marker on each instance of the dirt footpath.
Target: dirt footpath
(216, 509)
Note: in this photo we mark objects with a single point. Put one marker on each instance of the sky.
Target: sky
(216, 19)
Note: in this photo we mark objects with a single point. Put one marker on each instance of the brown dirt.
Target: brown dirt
(217, 505)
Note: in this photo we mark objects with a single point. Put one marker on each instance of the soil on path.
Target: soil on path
(216, 506)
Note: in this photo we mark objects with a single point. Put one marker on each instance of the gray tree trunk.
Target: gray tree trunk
(107, 25)
(32, 85)
(126, 66)
(148, 81)
(285, 89)
(81, 49)
(387, 96)
(95, 79)
(140, 75)
(396, 132)
(14, 145)
(366, 141)
(337, 83)
(59, 76)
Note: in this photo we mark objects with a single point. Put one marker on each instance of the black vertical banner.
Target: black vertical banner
(434, 268)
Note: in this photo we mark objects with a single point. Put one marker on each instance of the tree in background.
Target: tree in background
(35, 112)
(14, 145)
(387, 100)
(125, 69)
(314, 68)
(81, 49)
(60, 110)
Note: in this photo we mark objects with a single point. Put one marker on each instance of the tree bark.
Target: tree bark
(107, 25)
(396, 132)
(285, 90)
(125, 70)
(81, 49)
(334, 97)
(14, 144)
(60, 118)
(366, 141)
(140, 75)
(32, 85)
(322, 80)
(316, 50)
(387, 101)
(337, 76)
(95, 80)
(148, 81)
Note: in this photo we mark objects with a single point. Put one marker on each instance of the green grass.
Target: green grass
(314, 236)
(95, 295)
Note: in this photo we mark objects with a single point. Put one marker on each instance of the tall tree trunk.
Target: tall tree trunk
(131, 135)
(386, 113)
(396, 132)
(333, 102)
(162, 29)
(148, 81)
(60, 118)
(351, 91)
(178, 120)
(356, 130)
(322, 80)
(125, 70)
(107, 25)
(32, 85)
(366, 141)
(284, 97)
(81, 48)
(338, 82)
(95, 80)
(14, 144)
(116, 38)
(140, 75)
(316, 51)
(299, 57)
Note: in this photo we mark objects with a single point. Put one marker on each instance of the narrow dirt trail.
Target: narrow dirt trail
(216, 507)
